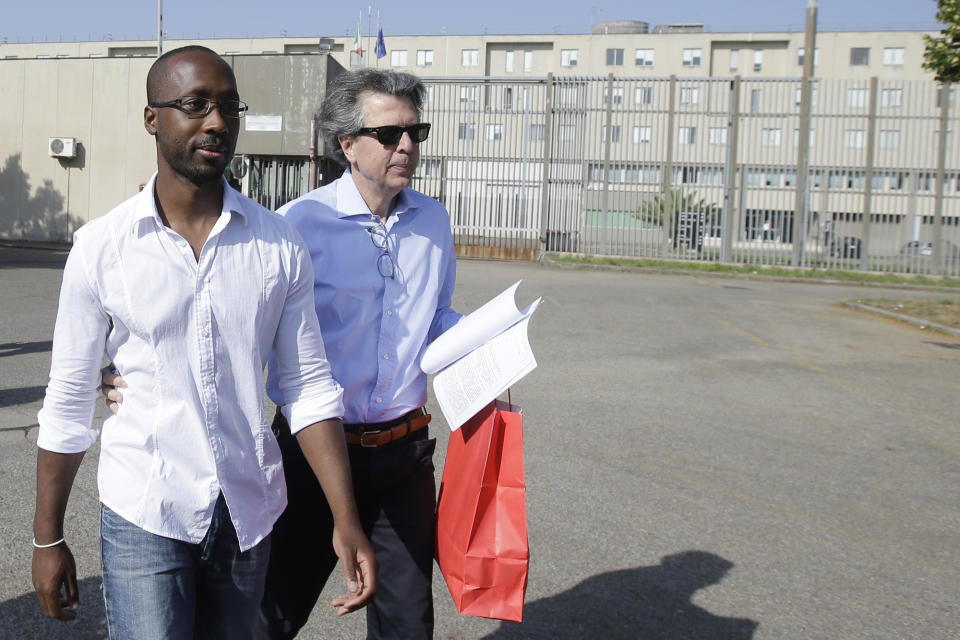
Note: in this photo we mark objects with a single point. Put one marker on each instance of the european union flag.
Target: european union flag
(381, 49)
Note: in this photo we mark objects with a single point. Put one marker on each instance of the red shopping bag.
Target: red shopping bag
(482, 546)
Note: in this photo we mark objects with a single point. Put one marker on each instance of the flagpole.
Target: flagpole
(369, 12)
(379, 31)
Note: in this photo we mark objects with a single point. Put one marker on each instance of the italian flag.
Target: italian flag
(357, 49)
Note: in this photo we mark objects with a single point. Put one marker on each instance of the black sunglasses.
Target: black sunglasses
(391, 133)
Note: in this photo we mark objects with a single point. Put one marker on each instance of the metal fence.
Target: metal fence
(702, 169)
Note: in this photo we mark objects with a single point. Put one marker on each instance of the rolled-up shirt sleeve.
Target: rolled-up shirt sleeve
(310, 392)
(79, 340)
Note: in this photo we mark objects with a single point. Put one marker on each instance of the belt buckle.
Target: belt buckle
(363, 436)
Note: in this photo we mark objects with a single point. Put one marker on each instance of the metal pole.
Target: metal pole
(666, 181)
(159, 28)
(868, 186)
(803, 146)
(606, 160)
(730, 169)
(547, 163)
(945, 90)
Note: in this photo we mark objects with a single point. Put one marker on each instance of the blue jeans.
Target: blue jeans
(156, 588)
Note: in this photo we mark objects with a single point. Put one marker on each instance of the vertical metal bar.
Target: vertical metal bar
(666, 180)
(868, 179)
(945, 91)
(547, 163)
(608, 142)
(803, 148)
(730, 172)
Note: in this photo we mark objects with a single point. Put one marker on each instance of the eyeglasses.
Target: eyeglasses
(391, 133)
(378, 235)
(196, 107)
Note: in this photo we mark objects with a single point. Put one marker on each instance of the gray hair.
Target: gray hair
(342, 110)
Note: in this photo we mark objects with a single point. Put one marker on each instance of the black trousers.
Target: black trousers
(396, 496)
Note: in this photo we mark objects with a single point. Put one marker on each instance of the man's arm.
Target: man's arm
(325, 449)
(54, 570)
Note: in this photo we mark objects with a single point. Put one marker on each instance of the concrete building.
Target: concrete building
(491, 107)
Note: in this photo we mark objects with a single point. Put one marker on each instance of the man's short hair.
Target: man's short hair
(158, 73)
(342, 110)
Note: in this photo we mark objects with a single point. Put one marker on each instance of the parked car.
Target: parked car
(916, 247)
(845, 247)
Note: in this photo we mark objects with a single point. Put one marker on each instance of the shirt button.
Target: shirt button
(379, 399)
(386, 356)
(389, 312)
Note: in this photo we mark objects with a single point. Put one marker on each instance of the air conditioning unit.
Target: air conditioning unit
(62, 147)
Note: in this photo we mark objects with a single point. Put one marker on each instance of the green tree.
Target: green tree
(653, 211)
(942, 55)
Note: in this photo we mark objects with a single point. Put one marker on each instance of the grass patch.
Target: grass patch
(761, 270)
(943, 311)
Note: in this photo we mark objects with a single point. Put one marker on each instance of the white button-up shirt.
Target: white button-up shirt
(191, 337)
(376, 327)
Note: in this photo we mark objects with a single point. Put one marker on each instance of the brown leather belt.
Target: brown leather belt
(381, 433)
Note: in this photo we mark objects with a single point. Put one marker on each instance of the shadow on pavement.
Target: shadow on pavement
(645, 602)
(21, 618)
(21, 395)
(18, 348)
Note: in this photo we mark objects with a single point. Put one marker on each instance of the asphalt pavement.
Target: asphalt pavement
(706, 457)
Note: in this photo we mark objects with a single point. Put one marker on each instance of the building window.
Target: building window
(614, 133)
(614, 57)
(468, 94)
(465, 131)
(398, 58)
(718, 135)
(800, 57)
(470, 57)
(796, 137)
(853, 138)
(734, 59)
(754, 100)
(688, 135)
(813, 96)
(428, 94)
(528, 61)
(644, 58)
(641, 134)
(494, 131)
(889, 139)
(770, 138)
(425, 58)
(508, 63)
(754, 177)
(689, 95)
(566, 132)
(643, 95)
(617, 95)
(508, 98)
(893, 57)
(568, 95)
(568, 57)
(538, 132)
(891, 97)
(758, 61)
(691, 57)
(859, 56)
(857, 98)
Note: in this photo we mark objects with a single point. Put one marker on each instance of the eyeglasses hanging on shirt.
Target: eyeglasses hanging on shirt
(378, 235)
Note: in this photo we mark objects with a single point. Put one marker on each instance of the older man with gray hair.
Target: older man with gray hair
(385, 270)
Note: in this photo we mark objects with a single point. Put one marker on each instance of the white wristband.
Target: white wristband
(47, 546)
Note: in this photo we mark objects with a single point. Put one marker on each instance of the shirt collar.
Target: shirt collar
(146, 206)
(351, 203)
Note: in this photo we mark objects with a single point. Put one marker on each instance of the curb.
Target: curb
(916, 322)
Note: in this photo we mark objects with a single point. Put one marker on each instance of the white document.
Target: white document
(480, 357)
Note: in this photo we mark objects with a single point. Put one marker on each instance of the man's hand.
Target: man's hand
(359, 569)
(55, 579)
(110, 385)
